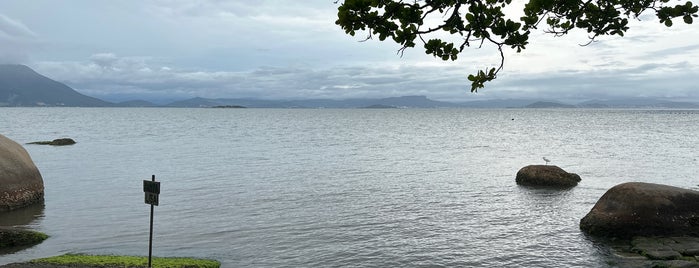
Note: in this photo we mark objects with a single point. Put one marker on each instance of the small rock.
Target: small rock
(63, 141)
(11, 237)
(56, 142)
(546, 176)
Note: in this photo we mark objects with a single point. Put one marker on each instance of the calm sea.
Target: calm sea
(340, 188)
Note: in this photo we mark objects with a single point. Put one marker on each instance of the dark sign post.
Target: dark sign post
(152, 190)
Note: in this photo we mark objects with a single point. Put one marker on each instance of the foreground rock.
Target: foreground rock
(546, 176)
(56, 142)
(658, 252)
(11, 237)
(644, 209)
(20, 181)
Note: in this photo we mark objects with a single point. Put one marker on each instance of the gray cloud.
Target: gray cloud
(138, 76)
(15, 40)
(11, 29)
(175, 49)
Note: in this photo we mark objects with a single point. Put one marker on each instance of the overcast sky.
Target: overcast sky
(177, 49)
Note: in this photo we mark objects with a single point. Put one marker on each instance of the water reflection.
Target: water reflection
(22, 216)
(550, 197)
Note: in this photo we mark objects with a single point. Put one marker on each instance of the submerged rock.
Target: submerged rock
(11, 237)
(645, 209)
(56, 142)
(20, 181)
(546, 176)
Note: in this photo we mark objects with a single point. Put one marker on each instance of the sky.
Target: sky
(166, 50)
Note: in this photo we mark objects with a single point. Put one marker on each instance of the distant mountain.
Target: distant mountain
(637, 103)
(549, 104)
(424, 102)
(406, 102)
(414, 102)
(497, 103)
(22, 86)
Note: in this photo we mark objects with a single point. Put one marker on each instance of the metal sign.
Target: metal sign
(152, 199)
(152, 189)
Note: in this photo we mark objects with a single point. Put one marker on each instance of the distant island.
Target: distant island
(20, 86)
(228, 106)
(379, 106)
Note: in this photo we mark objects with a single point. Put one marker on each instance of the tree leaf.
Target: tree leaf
(688, 19)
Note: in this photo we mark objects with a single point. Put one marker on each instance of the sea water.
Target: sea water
(334, 187)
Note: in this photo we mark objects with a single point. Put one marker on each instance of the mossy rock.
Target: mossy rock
(11, 237)
(56, 142)
(81, 260)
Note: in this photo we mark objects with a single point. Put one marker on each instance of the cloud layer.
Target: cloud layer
(167, 50)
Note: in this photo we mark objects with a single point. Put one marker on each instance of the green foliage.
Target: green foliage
(127, 261)
(483, 21)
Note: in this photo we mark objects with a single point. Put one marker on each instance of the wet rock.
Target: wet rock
(11, 237)
(56, 142)
(662, 254)
(20, 181)
(644, 209)
(657, 252)
(546, 176)
(677, 264)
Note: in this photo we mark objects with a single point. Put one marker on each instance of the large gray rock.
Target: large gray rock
(20, 181)
(546, 176)
(645, 209)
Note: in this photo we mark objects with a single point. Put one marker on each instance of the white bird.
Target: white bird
(546, 160)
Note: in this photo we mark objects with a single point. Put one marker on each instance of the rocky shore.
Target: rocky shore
(678, 251)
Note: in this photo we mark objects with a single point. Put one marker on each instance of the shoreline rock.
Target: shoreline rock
(644, 209)
(546, 176)
(20, 180)
(646, 251)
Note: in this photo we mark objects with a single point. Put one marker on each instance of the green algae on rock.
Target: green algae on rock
(127, 261)
(12, 237)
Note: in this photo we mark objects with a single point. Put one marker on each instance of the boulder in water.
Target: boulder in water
(546, 176)
(644, 209)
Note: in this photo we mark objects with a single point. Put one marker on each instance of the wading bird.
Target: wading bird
(546, 160)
